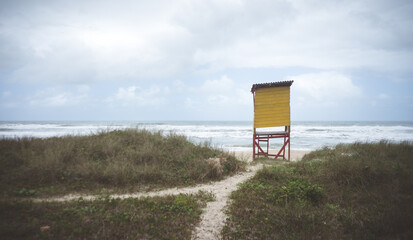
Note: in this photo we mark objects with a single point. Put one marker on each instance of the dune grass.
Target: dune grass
(172, 217)
(357, 191)
(121, 160)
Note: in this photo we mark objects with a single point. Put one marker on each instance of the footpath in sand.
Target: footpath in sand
(213, 218)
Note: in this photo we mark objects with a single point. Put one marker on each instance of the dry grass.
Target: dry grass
(124, 160)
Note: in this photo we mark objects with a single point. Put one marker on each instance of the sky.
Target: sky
(197, 60)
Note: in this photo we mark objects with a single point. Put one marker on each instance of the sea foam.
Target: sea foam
(234, 136)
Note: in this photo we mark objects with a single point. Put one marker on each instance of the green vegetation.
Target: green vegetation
(126, 160)
(172, 217)
(357, 191)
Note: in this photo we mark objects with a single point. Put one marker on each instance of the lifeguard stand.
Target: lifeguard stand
(271, 109)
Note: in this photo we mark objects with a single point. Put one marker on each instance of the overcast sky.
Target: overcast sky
(196, 60)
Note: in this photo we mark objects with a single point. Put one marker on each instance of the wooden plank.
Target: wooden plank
(271, 124)
(272, 107)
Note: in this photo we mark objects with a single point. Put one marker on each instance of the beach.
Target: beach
(296, 155)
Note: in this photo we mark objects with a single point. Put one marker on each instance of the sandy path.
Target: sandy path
(228, 183)
(213, 219)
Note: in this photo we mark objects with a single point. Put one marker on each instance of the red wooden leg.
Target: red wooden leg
(253, 147)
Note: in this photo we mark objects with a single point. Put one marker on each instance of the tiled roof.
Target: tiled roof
(271, 85)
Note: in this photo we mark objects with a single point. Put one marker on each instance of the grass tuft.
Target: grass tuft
(356, 191)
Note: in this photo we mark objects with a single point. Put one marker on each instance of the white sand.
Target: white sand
(213, 218)
(296, 155)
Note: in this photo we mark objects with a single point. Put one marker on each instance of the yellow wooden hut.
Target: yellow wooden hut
(271, 110)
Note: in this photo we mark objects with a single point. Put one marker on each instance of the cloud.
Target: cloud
(83, 88)
(136, 96)
(219, 100)
(189, 102)
(327, 88)
(383, 96)
(93, 41)
(224, 92)
(6, 94)
(87, 41)
(55, 97)
(7, 100)
(223, 84)
(330, 35)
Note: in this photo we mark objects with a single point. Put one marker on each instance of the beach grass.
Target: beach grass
(108, 161)
(170, 217)
(355, 191)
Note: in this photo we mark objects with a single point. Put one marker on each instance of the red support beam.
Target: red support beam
(265, 137)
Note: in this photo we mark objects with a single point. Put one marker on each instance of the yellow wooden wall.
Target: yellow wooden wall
(272, 107)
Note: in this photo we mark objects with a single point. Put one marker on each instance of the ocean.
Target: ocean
(228, 135)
